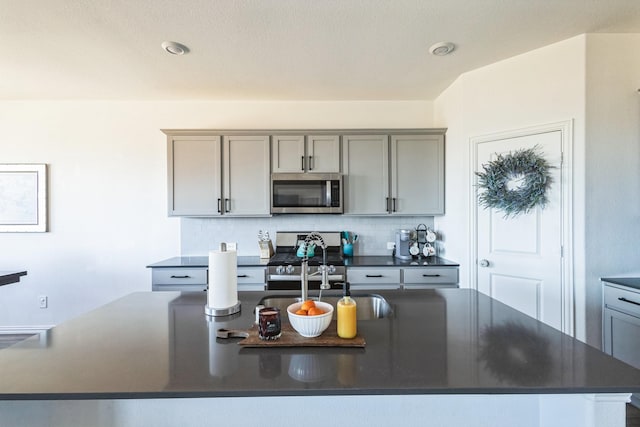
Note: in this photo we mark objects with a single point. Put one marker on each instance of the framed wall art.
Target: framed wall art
(23, 198)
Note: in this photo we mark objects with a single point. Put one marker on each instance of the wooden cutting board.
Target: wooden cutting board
(290, 338)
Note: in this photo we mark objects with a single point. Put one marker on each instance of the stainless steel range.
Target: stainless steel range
(284, 267)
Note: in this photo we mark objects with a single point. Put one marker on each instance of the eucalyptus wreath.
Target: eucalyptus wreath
(515, 183)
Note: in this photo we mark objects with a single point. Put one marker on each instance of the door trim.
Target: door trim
(566, 182)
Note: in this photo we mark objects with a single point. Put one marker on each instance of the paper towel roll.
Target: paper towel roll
(222, 291)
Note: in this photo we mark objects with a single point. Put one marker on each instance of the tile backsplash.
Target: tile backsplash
(200, 235)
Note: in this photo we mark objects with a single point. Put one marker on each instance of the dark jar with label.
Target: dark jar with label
(269, 326)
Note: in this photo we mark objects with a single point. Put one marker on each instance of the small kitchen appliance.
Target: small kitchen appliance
(314, 193)
(404, 242)
(284, 267)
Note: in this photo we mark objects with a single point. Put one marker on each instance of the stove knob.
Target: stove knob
(279, 269)
(289, 269)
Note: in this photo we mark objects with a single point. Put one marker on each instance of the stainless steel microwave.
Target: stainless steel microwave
(306, 193)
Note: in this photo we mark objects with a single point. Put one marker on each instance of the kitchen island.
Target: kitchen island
(449, 356)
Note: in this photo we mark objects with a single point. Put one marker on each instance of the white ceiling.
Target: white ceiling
(276, 49)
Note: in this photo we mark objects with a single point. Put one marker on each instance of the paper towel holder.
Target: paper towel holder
(228, 311)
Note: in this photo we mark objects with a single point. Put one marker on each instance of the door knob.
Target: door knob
(484, 263)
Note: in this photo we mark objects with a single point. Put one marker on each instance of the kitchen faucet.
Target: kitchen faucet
(324, 269)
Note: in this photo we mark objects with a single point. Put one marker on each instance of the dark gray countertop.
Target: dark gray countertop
(356, 261)
(390, 261)
(632, 282)
(8, 277)
(445, 341)
(203, 261)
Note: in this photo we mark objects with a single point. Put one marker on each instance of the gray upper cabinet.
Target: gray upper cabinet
(194, 179)
(417, 174)
(305, 154)
(246, 175)
(365, 162)
(227, 172)
(394, 174)
(212, 175)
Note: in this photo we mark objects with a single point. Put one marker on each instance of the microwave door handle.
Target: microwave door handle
(328, 192)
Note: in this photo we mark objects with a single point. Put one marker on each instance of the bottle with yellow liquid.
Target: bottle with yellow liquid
(346, 314)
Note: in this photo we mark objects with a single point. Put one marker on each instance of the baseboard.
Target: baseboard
(42, 331)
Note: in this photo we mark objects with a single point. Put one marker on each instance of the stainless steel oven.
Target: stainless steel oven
(306, 193)
(284, 267)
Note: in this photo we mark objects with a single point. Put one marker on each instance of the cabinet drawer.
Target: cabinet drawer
(430, 275)
(251, 275)
(622, 299)
(380, 275)
(179, 276)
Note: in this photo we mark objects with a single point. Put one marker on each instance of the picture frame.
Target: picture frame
(23, 198)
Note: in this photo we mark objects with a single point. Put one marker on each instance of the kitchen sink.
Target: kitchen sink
(369, 307)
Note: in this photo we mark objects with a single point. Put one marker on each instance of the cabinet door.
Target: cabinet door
(287, 154)
(622, 336)
(417, 174)
(246, 175)
(194, 176)
(323, 154)
(365, 164)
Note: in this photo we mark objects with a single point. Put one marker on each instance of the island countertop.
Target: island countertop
(444, 341)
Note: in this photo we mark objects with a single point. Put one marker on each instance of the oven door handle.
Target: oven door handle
(293, 278)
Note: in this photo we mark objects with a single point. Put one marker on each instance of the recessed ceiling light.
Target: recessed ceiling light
(442, 48)
(175, 48)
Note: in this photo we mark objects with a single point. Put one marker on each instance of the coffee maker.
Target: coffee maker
(403, 243)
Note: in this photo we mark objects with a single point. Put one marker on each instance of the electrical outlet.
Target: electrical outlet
(43, 300)
(391, 245)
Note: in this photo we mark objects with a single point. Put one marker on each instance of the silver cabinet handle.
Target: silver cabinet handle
(394, 205)
(302, 160)
(374, 275)
(430, 275)
(219, 205)
(227, 205)
(181, 277)
(242, 275)
(311, 163)
(388, 206)
(484, 263)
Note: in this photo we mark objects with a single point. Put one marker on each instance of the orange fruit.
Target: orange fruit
(302, 312)
(314, 311)
(307, 305)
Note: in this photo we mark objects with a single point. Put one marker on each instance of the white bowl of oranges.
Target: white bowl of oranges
(310, 318)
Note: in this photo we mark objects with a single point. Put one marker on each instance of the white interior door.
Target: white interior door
(520, 259)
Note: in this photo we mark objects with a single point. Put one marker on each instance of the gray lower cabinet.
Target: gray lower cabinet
(373, 278)
(188, 279)
(213, 175)
(378, 278)
(394, 174)
(430, 277)
(179, 279)
(621, 323)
